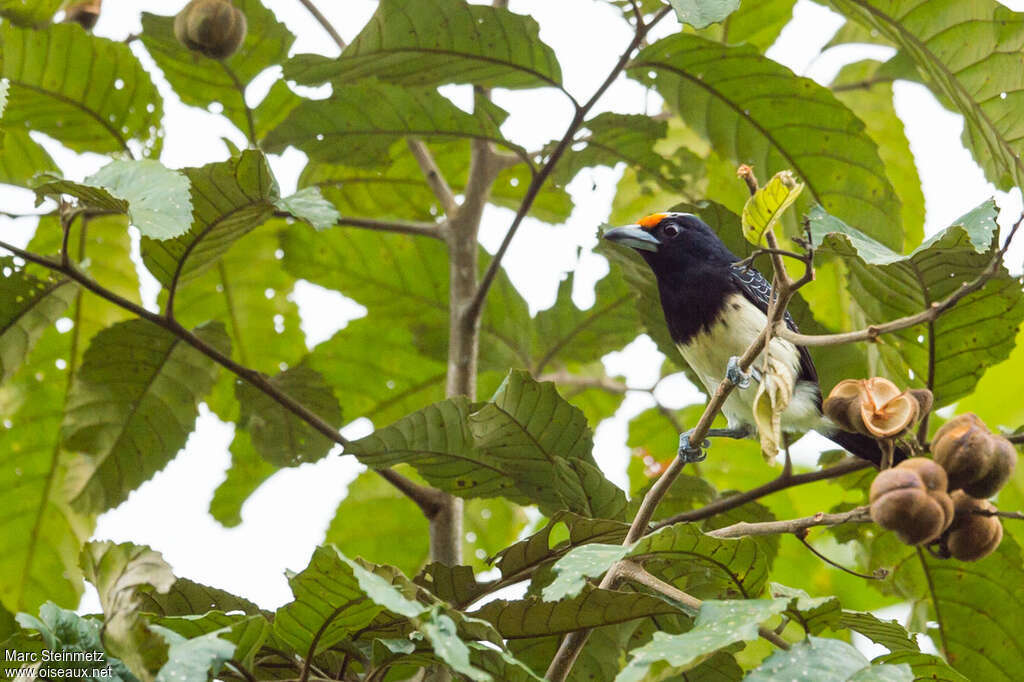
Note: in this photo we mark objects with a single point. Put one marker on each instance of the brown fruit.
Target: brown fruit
(214, 28)
(976, 460)
(85, 13)
(911, 500)
(875, 407)
(843, 405)
(973, 536)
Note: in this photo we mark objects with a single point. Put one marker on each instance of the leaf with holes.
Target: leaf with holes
(766, 207)
(200, 81)
(28, 306)
(718, 624)
(753, 110)
(410, 42)
(132, 406)
(981, 82)
(358, 123)
(90, 93)
(965, 340)
(280, 436)
(155, 197)
(229, 199)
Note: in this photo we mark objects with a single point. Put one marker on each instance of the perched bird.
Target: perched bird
(715, 308)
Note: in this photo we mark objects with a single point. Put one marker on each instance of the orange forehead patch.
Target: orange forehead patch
(651, 221)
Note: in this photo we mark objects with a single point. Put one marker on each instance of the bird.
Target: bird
(715, 307)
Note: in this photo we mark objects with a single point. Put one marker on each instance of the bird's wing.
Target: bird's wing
(758, 291)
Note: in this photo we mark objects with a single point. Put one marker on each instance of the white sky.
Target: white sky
(287, 517)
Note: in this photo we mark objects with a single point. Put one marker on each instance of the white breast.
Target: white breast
(708, 354)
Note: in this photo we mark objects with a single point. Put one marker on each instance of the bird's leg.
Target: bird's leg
(738, 377)
(691, 454)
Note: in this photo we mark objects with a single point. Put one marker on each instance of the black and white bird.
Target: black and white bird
(715, 308)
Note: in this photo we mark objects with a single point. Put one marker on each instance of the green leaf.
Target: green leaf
(755, 111)
(719, 624)
(192, 660)
(702, 13)
(309, 205)
(89, 93)
(886, 285)
(185, 598)
(28, 306)
(546, 441)
(888, 633)
(229, 199)
(341, 129)
(588, 561)
(40, 534)
(155, 197)
(248, 471)
(591, 607)
(874, 106)
(30, 13)
(765, 208)
(121, 573)
(756, 23)
(413, 43)
(200, 81)
(21, 158)
(981, 82)
(827, 660)
(989, 399)
(65, 632)
(131, 408)
(280, 436)
(813, 613)
(924, 666)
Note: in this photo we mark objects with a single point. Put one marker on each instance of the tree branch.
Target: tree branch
(335, 36)
(438, 185)
(744, 529)
(413, 227)
(602, 383)
(541, 176)
(633, 571)
(426, 498)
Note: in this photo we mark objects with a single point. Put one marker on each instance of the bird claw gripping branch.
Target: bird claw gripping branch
(738, 377)
(690, 454)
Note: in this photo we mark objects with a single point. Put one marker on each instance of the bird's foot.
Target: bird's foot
(689, 453)
(738, 377)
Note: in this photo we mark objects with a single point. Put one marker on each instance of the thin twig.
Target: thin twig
(782, 482)
(865, 84)
(432, 173)
(426, 498)
(880, 574)
(318, 15)
(633, 571)
(602, 383)
(744, 529)
(1001, 514)
(930, 314)
(413, 227)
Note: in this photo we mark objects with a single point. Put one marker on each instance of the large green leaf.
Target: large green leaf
(21, 158)
(529, 446)
(193, 660)
(200, 81)
(756, 111)
(155, 197)
(719, 624)
(229, 199)
(757, 23)
(817, 659)
(121, 573)
(976, 333)
(28, 306)
(30, 13)
(247, 472)
(40, 534)
(874, 106)
(411, 42)
(968, 53)
(924, 666)
(65, 632)
(280, 436)
(247, 633)
(188, 598)
(979, 608)
(358, 123)
(132, 406)
(89, 93)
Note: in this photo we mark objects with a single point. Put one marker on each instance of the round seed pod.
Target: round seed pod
(973, 536)
(976, 460)
(214, 28)
(843, 405)
(911, 500)
(887, 412)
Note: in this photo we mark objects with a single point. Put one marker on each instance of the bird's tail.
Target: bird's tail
(861, 446)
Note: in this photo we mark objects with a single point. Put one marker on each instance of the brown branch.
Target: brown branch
(930, 314)
(413, 227)
(1001, 514)
(638, 574)
(438, 185)
(782, 482)
(318, 15)
(744, 529)
(426, 498)
(541, 176)
(602, 383)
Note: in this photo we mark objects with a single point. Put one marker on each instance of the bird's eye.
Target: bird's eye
(670, 230)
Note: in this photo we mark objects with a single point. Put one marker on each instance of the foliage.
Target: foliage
(99, 392)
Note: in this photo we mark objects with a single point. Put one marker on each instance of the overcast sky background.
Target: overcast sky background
(287, 517)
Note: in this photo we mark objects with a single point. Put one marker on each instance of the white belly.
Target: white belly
(708, 355)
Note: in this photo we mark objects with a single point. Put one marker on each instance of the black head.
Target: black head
(673, 243)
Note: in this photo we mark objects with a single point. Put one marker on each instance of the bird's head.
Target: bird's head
(673, 242)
